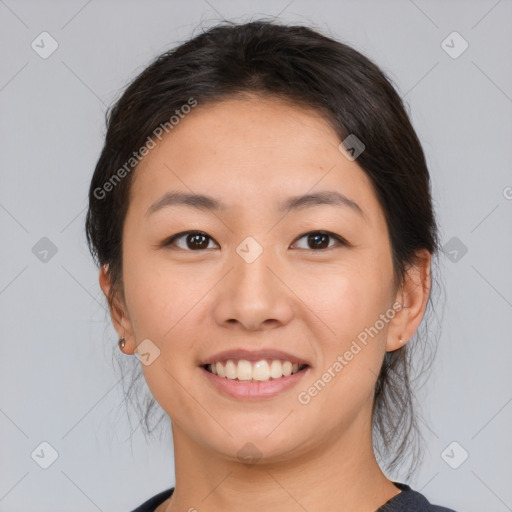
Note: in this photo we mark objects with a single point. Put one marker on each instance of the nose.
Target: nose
(253, 295)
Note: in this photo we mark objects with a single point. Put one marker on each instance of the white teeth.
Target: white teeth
(259, 371)
(220, 370)
(287, 368)
(230, 369)
(244, 370)
(276, 369)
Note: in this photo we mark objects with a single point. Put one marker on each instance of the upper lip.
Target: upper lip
(253, 355)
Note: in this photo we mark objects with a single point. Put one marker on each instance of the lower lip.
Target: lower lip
(251, 389)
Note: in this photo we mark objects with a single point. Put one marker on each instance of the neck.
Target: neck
(342, 474)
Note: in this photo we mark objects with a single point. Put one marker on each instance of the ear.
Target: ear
(118, 312)
(413, 297)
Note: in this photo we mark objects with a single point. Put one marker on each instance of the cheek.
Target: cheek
(352, 348)
(161, 306)
(348, 298)
(352, 333)
(158, 296)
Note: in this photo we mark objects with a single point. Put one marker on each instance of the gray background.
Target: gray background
(57, 383)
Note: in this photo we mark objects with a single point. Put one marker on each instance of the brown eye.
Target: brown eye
(193, 241)
(197, 240)
(319, 240)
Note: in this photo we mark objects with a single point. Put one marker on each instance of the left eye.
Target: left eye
(319, 240)
(197, 240)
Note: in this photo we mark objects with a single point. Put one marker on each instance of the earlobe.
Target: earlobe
(413, 296)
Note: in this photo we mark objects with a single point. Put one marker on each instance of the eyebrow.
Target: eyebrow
(207, 203)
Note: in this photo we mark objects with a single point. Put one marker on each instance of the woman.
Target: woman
(262, 217)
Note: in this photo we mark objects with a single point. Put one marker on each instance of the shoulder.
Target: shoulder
(151, 504)
(410, 501)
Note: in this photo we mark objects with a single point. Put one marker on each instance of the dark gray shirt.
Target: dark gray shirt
(407, 501)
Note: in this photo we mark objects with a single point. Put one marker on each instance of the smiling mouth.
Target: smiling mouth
(254, 371)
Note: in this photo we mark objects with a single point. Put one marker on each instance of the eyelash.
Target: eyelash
(170, 241)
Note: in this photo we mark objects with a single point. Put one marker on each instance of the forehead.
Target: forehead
(229, 129)
(250, 151)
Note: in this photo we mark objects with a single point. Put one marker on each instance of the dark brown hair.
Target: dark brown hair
(300, 65)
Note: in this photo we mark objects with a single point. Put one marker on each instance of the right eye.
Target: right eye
(193, 241)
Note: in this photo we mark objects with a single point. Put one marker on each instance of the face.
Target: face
(300, 284)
